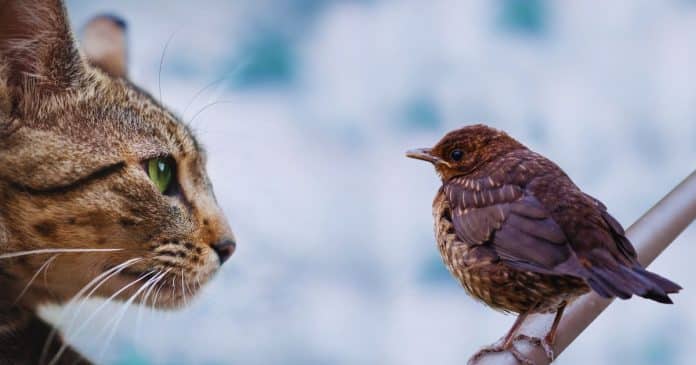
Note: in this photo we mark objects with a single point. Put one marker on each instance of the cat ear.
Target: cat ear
(104, 44)
(37, 49)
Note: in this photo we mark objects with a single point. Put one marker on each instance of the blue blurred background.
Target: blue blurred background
(315, 103)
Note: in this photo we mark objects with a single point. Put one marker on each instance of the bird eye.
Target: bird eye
(161, 172)
(456, 155)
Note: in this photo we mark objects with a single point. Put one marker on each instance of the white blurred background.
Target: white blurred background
(315, 103)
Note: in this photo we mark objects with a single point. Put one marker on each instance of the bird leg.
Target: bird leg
(505, 345)
(547, 342)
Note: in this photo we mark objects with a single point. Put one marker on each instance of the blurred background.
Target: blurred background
(306, 108)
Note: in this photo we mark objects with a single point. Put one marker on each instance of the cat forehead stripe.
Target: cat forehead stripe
(177, 129)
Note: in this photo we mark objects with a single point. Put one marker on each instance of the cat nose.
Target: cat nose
(224, 249)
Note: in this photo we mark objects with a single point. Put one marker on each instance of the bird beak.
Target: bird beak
(423, 154)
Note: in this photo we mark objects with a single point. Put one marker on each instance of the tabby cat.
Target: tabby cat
(103, 191)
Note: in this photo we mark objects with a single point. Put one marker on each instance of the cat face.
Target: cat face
(90, 162)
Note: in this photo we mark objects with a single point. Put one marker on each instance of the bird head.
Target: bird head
(463, 151)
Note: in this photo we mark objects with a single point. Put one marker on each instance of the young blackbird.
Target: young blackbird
(521, 237)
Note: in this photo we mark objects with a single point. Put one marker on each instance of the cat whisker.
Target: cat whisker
(173, 286)
(159, 72)
(56, 250)
(56, 357)
(207, 106)
(111, 273)
(45, 275)
(98, 281)
(232, 72)
(183, 289)
(150, 290)
(188, 289)
(143, 302)
(159, 289)
(198, 282)
(119, 317)
(31, 281)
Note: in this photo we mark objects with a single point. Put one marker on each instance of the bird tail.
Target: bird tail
(621, 281)
(665, 286)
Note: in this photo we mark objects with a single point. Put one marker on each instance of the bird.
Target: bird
(522, 238)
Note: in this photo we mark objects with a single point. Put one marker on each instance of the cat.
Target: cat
(103, 191)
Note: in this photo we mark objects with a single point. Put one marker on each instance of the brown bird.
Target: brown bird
(521, 237)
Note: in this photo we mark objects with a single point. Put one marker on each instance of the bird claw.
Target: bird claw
(496, 348)
(544, 343)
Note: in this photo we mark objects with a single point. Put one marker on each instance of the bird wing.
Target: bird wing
(623, 245)
(514, 223)
(522, 232)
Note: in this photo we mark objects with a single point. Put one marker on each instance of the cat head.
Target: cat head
(94, 171)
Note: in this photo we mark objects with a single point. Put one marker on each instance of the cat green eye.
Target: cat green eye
(161, 172)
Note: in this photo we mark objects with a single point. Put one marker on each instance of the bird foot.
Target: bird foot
(544, 343)
(499, 347)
